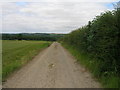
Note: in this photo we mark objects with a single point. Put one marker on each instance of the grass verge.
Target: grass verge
(107, 79)
(17, 53)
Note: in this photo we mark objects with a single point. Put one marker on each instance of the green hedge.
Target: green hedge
(100, 40)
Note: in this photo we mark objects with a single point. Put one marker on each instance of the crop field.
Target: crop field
(17, 53)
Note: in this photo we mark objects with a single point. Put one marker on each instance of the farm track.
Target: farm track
(52, 68)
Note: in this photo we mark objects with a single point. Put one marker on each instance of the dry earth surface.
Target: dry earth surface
(52, 68)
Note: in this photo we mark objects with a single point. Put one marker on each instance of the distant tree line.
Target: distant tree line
(35, 36)
(100, 39)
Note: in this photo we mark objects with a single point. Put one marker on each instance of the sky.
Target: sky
(49, 16)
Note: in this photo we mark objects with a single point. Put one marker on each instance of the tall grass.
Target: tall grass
(107, 79)
(17, 53)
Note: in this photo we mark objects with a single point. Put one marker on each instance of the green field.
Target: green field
(17, 53)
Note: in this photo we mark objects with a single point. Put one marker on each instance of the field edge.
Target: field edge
(23, 60)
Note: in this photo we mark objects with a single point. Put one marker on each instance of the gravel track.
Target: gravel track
(54, 67)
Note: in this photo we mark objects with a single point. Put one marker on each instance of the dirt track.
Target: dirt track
(52, 68)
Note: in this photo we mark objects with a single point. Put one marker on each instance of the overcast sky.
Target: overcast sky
(49, 16)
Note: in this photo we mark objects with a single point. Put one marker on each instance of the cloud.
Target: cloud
(60, 0)
(46, 16)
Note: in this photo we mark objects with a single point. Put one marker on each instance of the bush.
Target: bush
(100, 41)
